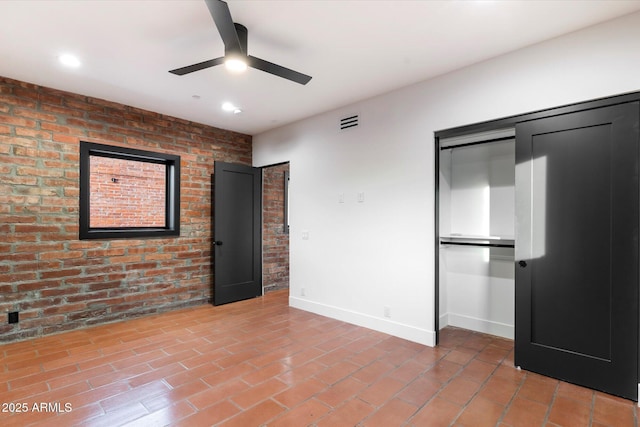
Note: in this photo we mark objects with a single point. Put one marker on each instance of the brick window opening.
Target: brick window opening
(128, 193)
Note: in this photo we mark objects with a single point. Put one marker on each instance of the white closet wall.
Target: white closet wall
(476, 199)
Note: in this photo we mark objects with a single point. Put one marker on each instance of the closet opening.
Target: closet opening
(565, 195)
(475, 242)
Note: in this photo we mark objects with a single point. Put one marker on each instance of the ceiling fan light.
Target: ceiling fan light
(235, 65)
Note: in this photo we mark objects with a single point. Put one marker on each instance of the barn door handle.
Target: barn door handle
(217, 243)
(522, 264)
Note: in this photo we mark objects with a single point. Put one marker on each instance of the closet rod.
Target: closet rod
(484, 245)
(486, 141)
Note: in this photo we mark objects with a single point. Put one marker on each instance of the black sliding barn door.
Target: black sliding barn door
(577, 248)
(237, 245)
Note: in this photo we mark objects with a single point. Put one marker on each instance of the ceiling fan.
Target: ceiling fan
(236, 58)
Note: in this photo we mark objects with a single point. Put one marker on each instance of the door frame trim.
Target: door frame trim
(285, 224)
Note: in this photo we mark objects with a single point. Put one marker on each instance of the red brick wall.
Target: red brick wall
(57, 282)
(275, 249)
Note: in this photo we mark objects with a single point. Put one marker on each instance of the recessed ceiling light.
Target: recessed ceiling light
(227, 106)
(69, 60)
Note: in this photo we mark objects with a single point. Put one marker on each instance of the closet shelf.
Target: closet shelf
(481, 241)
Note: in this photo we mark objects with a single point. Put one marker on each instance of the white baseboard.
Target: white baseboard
(479, 325)
(387, 326)
(443, 321)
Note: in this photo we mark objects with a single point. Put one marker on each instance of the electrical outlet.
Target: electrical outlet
(13, 317)
(303, 292)
(305, 234)
(387, 312)
(361, 197)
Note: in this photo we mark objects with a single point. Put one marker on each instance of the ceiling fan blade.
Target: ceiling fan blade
(219, 11)
(278, 70)
(197, 67)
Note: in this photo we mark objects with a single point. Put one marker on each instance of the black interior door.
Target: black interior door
(237, 244)
(577, 248)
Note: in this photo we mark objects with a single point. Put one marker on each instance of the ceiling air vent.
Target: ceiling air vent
(349, 122)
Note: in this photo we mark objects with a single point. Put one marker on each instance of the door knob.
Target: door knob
(522, 263)
(217, 243)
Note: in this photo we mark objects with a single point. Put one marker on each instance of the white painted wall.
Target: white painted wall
(480, 292)
(363, 257)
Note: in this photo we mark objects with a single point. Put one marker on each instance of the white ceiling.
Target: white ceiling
(353, 49)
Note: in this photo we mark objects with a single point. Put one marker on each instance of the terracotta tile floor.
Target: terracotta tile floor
(259, 362)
